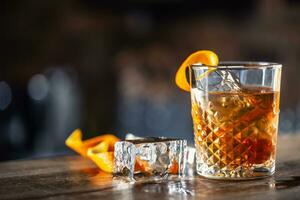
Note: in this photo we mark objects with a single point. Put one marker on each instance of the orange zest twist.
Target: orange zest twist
(99, 149)
(205, 57)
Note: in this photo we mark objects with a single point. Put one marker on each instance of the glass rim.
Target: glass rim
(240, 65)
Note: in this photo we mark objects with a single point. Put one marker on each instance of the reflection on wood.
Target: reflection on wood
(75, 178)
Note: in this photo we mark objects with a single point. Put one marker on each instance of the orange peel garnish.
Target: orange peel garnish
(99, 149)
(205, 57)
(75, 142)
(104, 160)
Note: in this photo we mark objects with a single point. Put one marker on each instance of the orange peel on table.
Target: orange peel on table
(205, 57)
(99, 149)
(104, 160)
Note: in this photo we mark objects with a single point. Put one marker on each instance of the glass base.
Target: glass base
(240, 173)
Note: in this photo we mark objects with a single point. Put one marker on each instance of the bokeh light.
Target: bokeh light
(109, 68)
(5, 95)
(38, 87)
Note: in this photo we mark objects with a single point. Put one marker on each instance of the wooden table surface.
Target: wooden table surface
(73, 177)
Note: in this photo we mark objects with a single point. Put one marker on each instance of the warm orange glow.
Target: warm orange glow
(174, 169)
(142, 166)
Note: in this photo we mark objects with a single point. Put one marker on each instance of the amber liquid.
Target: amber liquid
(235, 132)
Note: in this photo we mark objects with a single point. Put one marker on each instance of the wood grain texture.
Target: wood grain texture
(72, 177)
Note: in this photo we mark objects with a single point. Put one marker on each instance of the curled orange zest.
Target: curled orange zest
(75, 142)
(205, 57)
(99, 149)
(104, 160)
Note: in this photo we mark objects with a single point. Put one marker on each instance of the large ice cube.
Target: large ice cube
(151, 156)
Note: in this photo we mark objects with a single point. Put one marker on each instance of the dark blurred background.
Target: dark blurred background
(109, 66)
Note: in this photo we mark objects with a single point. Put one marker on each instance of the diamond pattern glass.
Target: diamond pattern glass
(235, 124)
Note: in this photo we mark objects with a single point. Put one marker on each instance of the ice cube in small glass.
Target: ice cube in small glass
(150, 157)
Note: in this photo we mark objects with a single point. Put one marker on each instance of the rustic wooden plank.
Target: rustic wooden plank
(73, 177)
